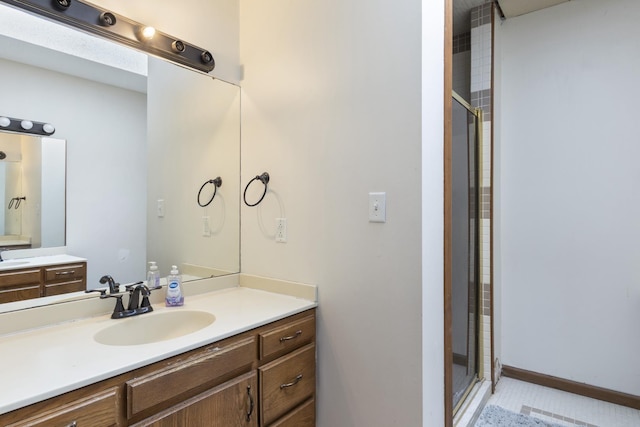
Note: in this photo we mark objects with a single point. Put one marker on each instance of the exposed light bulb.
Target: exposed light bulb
(5, 122)
(26, 124)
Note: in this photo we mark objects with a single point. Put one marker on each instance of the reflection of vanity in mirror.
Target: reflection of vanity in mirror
(142, 136)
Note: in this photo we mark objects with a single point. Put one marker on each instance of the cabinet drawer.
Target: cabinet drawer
(98, 410)
(303, 416)
(19, 278)
(286, 338)
(287, 382)
(65, 273)
(19, 294)
(64, 287)
(186, 377)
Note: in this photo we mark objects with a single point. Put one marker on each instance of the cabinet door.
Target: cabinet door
(232, 404)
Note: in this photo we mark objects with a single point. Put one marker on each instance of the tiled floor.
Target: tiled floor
(559, 407)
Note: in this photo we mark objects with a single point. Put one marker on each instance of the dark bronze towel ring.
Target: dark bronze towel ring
(264, 178)
(216, 183)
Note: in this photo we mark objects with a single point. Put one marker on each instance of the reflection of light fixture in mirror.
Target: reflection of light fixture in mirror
(11, 124)
(48, 128)
(90, 18)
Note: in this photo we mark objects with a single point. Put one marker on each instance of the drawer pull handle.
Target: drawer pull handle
(66, 273)
(294, 382)
(73, 424)
(250, 403)
(291, 337)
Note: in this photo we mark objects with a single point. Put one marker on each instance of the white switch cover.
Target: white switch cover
(281, 230)
(377, 207)
(160, 208)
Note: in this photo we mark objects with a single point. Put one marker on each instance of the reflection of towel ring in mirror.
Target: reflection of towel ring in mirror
(216, 183)
(264, 178)
(17, 200)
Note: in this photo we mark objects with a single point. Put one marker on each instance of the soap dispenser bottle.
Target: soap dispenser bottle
(153, 276)
(174, 288)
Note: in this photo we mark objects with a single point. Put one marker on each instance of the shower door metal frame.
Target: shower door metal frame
(477, 112)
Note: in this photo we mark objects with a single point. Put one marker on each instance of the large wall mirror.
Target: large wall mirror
(140, 139)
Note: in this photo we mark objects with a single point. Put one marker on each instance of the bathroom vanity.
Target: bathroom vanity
(254, 365)
(27, 278)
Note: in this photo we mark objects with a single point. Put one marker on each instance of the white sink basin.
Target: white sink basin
(153, 327)
(7, 264)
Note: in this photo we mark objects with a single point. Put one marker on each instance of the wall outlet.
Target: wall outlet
(206, 227)
(281, 230)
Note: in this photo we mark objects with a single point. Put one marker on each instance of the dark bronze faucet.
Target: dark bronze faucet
(134, 307)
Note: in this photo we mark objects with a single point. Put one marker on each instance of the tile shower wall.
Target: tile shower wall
(481, 97)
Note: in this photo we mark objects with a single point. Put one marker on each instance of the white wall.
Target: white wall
(569, 201)
(332, 110)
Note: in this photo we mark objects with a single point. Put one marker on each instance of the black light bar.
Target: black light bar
(12, 124)
(92, 19)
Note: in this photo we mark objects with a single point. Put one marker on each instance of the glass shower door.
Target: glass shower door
(464, 247)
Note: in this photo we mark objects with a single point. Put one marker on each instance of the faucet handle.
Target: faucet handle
(103, 292)
(130, 287)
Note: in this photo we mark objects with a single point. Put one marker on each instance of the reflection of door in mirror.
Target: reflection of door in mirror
(32, 186)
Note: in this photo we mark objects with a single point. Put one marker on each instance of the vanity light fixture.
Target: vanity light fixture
(26, 126)
(104, 23)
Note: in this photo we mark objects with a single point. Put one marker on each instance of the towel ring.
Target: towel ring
(264, 178)
(216, 183)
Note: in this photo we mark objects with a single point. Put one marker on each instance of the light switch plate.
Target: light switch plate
(377, 207)
(160, 208)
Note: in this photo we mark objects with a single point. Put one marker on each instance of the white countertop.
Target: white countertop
(44, 362)
(38, 261)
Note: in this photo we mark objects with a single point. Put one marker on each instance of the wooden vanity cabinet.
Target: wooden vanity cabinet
(35, 282)
(264, 377)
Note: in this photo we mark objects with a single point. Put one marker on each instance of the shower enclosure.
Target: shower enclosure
(465, 242)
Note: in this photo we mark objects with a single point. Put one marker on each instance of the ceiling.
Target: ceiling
(510, 8)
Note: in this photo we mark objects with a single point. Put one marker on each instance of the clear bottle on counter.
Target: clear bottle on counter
(153, 275)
